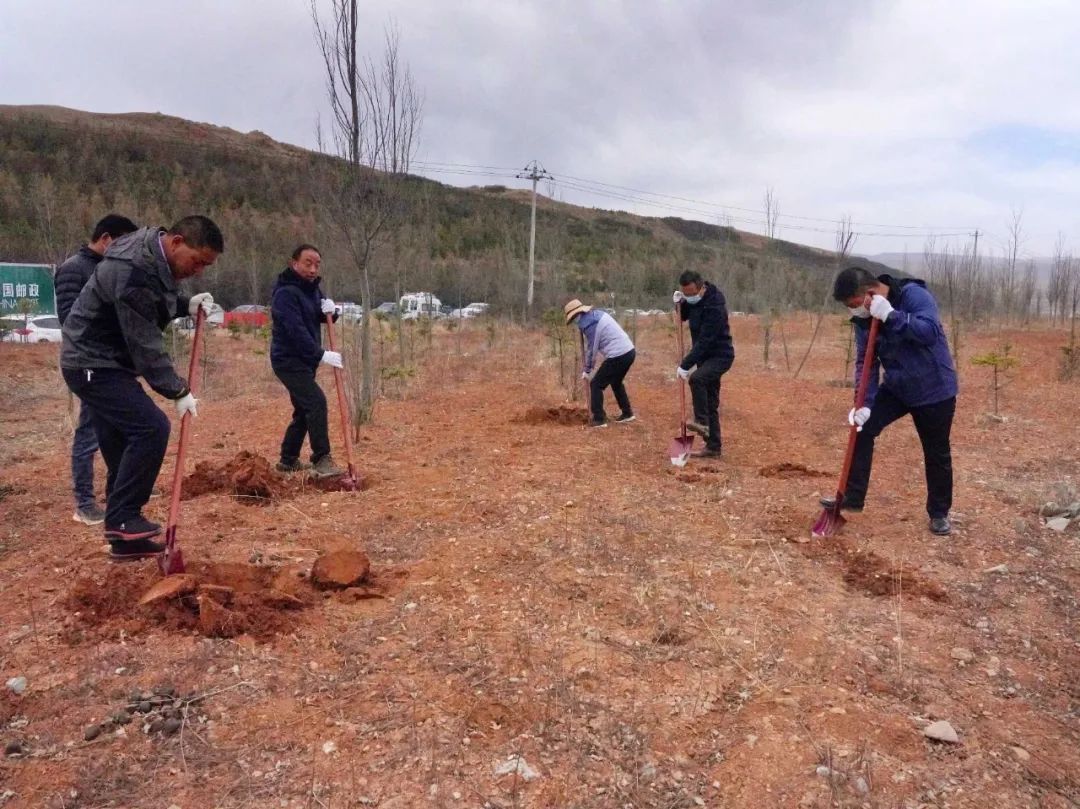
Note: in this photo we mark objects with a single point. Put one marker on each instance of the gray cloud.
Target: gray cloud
(873, 109)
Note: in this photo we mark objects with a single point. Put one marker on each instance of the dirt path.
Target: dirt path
(639, 635)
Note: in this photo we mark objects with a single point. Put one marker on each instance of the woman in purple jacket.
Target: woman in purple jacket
(920, 380)
(602, 335)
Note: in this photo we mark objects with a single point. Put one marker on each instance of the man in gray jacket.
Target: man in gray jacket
(68, 282)
(112, 336)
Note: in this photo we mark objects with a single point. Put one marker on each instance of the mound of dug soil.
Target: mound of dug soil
(252, 479)
(217, 600)
(786, 471)
(561, 414)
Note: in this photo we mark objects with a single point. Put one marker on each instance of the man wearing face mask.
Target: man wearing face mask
(712, 352)
(920, 380)
(299, 309)
(111, 337)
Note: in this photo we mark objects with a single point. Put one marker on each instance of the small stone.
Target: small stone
(340, 569)
(1021, 754)
(861, 786)
(14, 748)
(16, 685)
(145, 706)
(121, 718)
(329, 747)
(1058, 523)
(156, 726)
(1002, 569)
(941, 731)
(516, 765)
(961, 654)
(91, 733)
(170, 726)
(165, 690)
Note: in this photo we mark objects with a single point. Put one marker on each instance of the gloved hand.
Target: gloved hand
(880, 308)
(678, 297)
(186, 404)
(328, 306)
(857, 418)
(682, 373)
(585, 375)
(203, 299)
(332, 358)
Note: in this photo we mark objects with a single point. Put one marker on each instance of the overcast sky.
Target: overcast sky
(918, 113)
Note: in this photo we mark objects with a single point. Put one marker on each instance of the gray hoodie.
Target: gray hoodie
(117, 320)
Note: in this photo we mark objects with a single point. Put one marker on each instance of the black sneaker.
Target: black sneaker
(129, 530)
(125, 550)
(940, 526)
(91, 515)
(626, 418)
(700, 429)
(706, 452)
(830, 503)
(295, 466)
(597, 423)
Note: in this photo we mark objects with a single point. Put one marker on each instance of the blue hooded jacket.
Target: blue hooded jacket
(296, 333)
(911, 347)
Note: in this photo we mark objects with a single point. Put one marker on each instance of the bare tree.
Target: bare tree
(1008, 278)
(845, 240)
(1057, 286)
(772, 212)
(377, 114)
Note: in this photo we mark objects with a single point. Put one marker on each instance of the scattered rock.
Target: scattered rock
(962, 655)
(516, 765)
(329, 747)
(121, 718)
(171, 725)
(16, 747)
(861, 786)
(1002, 569)
(1058, 523)
(941, 732)
(169, 587)
(16, 685)
(1021, 754)
(91, 733)
(340, 569)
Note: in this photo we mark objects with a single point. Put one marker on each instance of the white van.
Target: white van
(419, 304)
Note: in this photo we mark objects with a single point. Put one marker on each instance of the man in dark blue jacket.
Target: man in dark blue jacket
(68, 282)
(299, 308)
(712, 351)
(920, 379)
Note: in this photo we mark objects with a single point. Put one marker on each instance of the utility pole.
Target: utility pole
(535, 172)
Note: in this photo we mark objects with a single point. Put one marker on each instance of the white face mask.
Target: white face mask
(859, 311)
(692, 298)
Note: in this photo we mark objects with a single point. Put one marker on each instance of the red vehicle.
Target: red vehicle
(249, 315)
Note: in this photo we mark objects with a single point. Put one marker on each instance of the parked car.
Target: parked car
(32, 329)
(215, 318)
(352, 312)
(386, 308)
(419, 304)
(472, 310)
(250, 315)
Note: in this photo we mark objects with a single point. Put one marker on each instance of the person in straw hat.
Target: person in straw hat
(600, 334)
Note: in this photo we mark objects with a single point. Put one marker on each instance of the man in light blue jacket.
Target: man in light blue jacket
(602, 335)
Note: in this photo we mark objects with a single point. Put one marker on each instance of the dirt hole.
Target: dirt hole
(786, 471)
(221, 600)
(560, 414)
(252, 480)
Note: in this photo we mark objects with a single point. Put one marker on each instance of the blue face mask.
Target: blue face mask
(692, 298)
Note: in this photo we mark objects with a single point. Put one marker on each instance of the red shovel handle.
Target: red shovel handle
(682, 353)
(860, 397)
(343, 408)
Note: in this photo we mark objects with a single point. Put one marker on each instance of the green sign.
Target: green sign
(27, 288)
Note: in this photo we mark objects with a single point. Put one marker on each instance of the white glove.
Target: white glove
(328, 306)
(682, 373)
(186, 404)
(880, 308)
(857, 418)
(203, 299)
(332, 358)
(678, 297)
(585, 375)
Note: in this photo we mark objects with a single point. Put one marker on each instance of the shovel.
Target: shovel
(351, 480)
(831, 520)
(680, 446)
(172, 561)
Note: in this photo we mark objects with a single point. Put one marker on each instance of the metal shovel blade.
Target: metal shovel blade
(829, 522)
(172, 561)
(679, 449)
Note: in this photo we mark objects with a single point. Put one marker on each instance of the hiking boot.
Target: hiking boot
(91, 515)
(705, 452)
(830, 503)
(626, 418)
(131, 530)
(295, 466)
(326, 468)
(597, 423)
(698, 428)
(940, 526)
(126, 550)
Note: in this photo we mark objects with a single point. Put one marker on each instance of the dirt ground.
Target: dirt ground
(559, 604)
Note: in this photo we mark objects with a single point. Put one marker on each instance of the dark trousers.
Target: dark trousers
(132, 433)
(308, 418)
(705, 392)
(83, 446)
(933, 423)
(611, 373)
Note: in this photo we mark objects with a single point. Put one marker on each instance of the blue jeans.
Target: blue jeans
(132, 432)
(83, 447)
